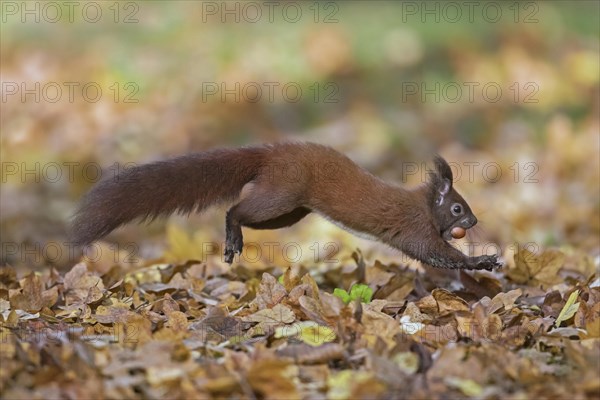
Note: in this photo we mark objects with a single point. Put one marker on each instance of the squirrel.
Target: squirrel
(276, 185)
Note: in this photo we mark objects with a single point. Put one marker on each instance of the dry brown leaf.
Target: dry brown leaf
(312, 309)
(279, 314)
(314, 288)
(448, 302)
(551, 261)
(8, 278)
(298, 292)
(397, 288)
(273, 379)
(235, 288)
(540, 269)
(504, 300)
(33, 297)
(117, 312)
(135, 331)
(290, 280)
(453, 361)
(270, 292)
(165, 305)
(428, 305)
(178, 323)
(218, 324)
(331, 305)
(82, 286)
(379, 325)
(306, 354)
(415, 314)
(377, 276)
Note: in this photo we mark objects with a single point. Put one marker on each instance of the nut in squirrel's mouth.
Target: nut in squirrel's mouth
(455, 232)
(459, 230)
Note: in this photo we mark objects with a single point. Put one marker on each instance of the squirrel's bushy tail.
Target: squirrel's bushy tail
(184, 184)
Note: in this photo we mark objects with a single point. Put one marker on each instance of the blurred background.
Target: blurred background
(506, 91)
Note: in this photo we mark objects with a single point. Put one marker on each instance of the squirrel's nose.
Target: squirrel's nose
(469, 222)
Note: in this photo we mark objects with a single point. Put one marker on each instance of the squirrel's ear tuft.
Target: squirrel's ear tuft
(441, 179)
(442, 168)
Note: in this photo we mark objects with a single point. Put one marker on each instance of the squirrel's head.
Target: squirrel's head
(449, 208)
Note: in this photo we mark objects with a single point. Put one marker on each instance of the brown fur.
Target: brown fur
(274, 186)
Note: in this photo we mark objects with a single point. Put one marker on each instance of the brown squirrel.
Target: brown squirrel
(276, 185)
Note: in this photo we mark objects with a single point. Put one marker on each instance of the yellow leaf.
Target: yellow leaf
(308, 331)
(468, 386)
(316, 335)
(341, 384)
(569, 309)
(407, 361)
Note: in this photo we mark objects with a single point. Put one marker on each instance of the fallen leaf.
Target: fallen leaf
(308, 332)
(178, 324)
(270, 292)
(311, 354)
(273, 379)
(82, 286)
(289, 280)
(448, 302)
(33, 297)
(504, 300)
(569, 309)
(407, 361)
(350, 384)
(467, 386)
(540, 269)
(279, 314)
(118, 312)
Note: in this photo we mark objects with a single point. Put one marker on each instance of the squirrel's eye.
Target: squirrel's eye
(456, 209)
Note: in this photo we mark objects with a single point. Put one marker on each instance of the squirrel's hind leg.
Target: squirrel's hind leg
(259, 209)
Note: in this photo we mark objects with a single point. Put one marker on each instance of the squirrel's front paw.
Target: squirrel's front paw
(487, 262)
